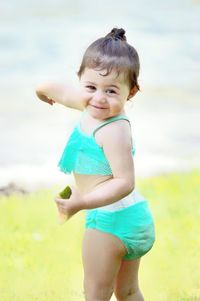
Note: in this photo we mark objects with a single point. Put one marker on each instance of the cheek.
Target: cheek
(85, 98)
(115, 104)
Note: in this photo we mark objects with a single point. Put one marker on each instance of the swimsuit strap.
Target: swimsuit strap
(120, 117)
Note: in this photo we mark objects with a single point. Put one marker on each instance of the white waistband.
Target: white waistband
(130, 199)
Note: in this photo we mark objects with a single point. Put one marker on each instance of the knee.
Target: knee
(97, 291)
(123, 294)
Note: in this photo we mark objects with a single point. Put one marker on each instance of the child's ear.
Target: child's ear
(132, 92)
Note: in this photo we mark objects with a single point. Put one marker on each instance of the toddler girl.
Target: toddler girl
(119, 224)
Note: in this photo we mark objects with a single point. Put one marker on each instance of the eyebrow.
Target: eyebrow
(91, 83)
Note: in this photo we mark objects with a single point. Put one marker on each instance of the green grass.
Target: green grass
(41, 260)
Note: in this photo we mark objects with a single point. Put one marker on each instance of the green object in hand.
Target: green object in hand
(65, 193)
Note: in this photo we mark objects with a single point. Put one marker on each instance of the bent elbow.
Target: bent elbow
(130, 186)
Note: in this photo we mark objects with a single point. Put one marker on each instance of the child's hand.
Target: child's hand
(68, 207)
(44, 98)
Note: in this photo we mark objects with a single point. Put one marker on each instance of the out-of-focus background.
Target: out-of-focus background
(46, 40)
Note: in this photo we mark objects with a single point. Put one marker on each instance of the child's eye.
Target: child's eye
(92, 88)
(110, 91)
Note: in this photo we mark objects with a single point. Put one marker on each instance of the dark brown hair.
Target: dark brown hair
(113, 52)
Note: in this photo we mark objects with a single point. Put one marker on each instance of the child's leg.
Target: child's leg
(126, 284)
(102, 254)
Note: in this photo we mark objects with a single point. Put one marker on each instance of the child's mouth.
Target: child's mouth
(98, 107)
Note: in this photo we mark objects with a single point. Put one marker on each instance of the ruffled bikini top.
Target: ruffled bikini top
(83, 155)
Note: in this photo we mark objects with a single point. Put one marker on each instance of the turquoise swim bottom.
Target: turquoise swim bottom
(133, 225)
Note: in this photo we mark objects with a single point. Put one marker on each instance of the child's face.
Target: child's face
(104, 96)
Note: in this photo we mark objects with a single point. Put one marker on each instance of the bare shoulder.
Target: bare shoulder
(116, 133)
(116, 141)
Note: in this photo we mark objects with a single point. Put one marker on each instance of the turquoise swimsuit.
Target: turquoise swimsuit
(130, 218)
(83, 155)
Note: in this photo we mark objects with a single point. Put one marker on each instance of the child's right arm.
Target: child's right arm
(65, 94)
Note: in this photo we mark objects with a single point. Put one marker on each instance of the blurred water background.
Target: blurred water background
(41, 40)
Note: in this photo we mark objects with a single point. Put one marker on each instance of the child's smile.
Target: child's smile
(104, 96)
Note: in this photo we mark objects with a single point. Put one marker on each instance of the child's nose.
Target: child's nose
(100, 97)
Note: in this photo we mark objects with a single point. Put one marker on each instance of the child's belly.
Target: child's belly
(86, 183)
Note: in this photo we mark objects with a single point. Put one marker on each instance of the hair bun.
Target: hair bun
(117, 34)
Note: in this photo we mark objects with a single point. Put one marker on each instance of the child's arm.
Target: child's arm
(107, 193)
(65, 94)
(104, 194)
(116, 139)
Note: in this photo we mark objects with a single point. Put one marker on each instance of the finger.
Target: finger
(62, 209)
(51, 102)
(59, 201)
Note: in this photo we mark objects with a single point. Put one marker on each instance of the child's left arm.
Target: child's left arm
(117, 145)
